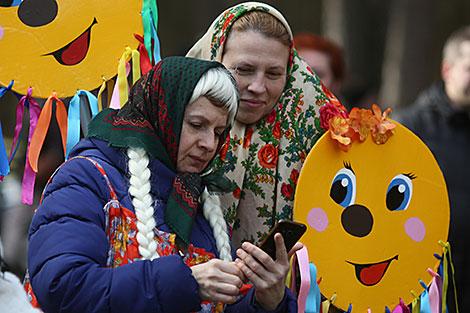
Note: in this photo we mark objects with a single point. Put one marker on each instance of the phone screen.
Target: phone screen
(290, 231)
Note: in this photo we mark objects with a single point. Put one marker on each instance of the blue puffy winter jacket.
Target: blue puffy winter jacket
(68, 245)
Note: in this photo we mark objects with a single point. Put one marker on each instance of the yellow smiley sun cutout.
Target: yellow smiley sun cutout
(64, 46)
(375, 215)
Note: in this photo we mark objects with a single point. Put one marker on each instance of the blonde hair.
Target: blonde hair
(219, 86)
(264, 23)
(139, 189)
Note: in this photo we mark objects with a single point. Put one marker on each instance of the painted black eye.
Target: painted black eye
(37, 13)
(399, 193)
(343, 187)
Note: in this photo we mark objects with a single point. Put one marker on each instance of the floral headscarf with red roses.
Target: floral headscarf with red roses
(265, 159)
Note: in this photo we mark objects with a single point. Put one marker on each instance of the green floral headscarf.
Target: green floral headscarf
(264, 160)
(152, 119)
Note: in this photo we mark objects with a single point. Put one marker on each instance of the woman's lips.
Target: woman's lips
(75, 51)
(198, 160)
(252, 103)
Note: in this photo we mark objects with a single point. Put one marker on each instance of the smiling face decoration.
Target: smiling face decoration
(375, 215)
(63, 46)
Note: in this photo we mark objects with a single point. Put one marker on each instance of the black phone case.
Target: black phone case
(290, 231)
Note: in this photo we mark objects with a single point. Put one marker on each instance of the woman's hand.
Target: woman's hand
(267, 276)
(219, 281)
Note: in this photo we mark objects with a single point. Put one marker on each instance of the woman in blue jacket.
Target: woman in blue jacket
(119, 229)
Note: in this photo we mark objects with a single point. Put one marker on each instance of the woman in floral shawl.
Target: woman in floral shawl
(278, 118)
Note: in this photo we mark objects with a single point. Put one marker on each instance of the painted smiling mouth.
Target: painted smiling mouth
(75, 51)
(372, 273)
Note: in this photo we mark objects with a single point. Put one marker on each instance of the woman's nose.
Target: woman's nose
(36, 13)
(208, 142)
(257, 83)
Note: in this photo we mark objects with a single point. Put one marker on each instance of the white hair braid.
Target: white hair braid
(139, 189)
(213, 213)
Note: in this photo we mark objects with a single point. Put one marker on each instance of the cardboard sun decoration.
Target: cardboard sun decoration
(64, 46)
(375, 215)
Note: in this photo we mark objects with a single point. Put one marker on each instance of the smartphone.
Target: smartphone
(290, 231)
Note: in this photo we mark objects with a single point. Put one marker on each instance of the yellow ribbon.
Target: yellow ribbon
(447, 258)
(108, 85)
(415, 304)
(129, 54)
(325, 305)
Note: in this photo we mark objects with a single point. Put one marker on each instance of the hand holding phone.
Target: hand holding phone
(290, 231)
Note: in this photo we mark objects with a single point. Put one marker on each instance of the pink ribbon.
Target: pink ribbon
(29, 176)
(304, 269)
(435, 292)
(401, 308)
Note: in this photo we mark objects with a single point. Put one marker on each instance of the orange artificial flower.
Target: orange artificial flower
(383, 128)
(361, 121)
(339, 130)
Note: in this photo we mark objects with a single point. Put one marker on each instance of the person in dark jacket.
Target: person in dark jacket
(120, 228)
(441, 118)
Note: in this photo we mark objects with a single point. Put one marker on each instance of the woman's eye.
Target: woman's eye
(343, 187)
(274, 76)
(399, 193)
(195, 125)
(244, 71)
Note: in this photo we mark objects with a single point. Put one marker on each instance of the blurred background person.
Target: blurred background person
(13, 298)
(441, 118)
(325, 57)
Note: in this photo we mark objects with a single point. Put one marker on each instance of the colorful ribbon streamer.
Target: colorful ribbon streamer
(314, 298)
(43, 127)
(73, 121)
(145, 63)
(425, 306)
(305, 282)
(401, 308)
(325, 305)
(107, 85)
(29, 176)
(435, 292)
(4, 164)
(123, 88)
(447, 259)
(150, 24)
(415, 304)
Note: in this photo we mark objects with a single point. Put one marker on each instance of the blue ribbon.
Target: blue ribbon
(156, 44)
(312, 305)
(15, 3)
(73, 119)
(4, 90)
(150, 22)
(425, 306)
(4, 164)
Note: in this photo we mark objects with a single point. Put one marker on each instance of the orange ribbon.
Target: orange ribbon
(42, 128)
